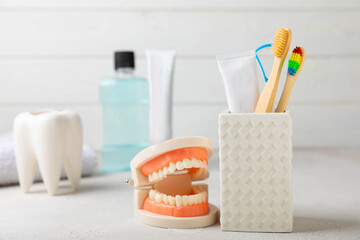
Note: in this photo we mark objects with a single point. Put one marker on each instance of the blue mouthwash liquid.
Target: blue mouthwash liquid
(125, 100)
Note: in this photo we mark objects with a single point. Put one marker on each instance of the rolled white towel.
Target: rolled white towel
(8, 171)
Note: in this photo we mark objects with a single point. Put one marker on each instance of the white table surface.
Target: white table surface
(326, 206)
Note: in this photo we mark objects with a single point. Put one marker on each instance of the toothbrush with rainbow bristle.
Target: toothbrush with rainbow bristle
(296, 62)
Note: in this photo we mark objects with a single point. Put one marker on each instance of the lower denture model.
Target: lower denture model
(162, 176)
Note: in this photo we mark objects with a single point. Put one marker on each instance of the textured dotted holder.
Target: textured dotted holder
(255, 172)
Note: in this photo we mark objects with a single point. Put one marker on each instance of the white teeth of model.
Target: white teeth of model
(201, 164)
(155, 176)
(178, 200)
(179, 165)
(172, 167)
(187, 163)
(172, 200)
(165, 171)
(161, 175)
(191, 199)
(195, 163)
(152, 194)
(196, 199)
(199, 197)
(185, 200)
(158, 197)
(165, 199)
(51, 140)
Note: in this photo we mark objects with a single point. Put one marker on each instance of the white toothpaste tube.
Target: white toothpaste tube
(160, 76)
(238, 71)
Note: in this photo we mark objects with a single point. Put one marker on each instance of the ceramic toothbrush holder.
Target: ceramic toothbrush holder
(255, 172)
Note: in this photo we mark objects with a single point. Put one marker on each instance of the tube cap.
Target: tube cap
(124, 59)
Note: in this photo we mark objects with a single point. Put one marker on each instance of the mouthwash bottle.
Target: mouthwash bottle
(125, 100)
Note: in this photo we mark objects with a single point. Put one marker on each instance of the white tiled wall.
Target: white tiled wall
(54, 54)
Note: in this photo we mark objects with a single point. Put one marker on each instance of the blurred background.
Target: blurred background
(53, 54)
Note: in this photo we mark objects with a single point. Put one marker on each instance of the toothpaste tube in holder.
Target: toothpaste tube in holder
(239, 74)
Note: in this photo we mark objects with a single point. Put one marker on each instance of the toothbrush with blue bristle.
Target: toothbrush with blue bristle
(296, 62)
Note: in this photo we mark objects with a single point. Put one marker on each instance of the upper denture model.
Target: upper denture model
(50, 140)
(167, 170)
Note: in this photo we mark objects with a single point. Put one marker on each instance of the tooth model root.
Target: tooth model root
(26, 170)
(51, 140)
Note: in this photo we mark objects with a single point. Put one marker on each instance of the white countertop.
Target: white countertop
(326, 206)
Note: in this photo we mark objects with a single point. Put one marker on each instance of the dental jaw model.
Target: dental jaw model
(50, 140)
(162, 176)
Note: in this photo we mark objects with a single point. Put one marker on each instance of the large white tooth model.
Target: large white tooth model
(48, 139)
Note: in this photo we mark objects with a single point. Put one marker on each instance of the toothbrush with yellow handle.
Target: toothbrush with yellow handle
(296, 63)
(280, 49)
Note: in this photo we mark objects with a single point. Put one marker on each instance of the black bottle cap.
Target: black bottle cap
(124, 59)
